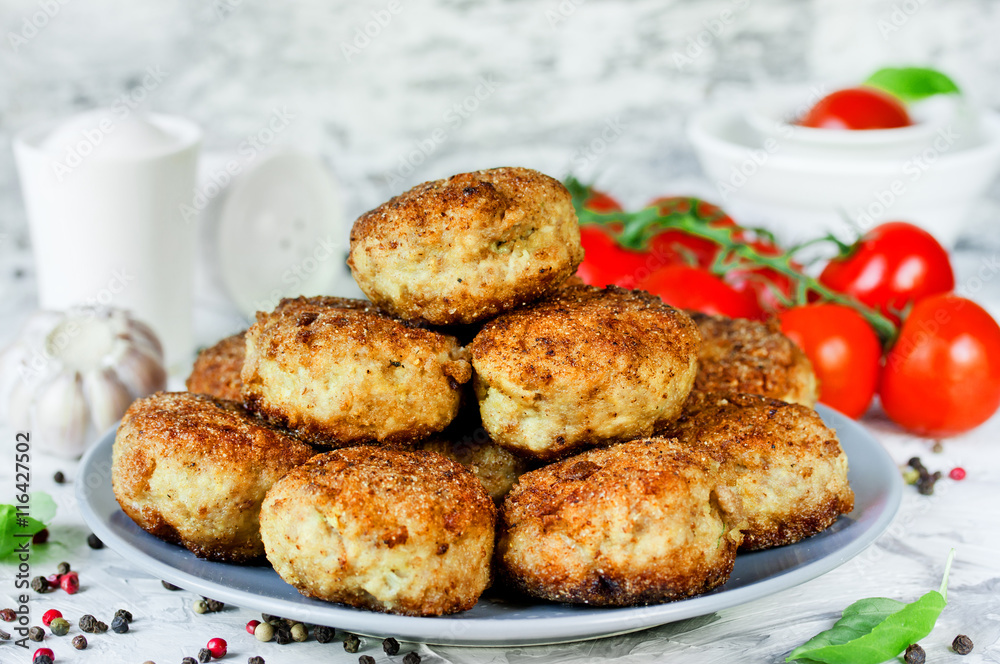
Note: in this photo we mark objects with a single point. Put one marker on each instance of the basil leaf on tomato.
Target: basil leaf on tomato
(912, 83)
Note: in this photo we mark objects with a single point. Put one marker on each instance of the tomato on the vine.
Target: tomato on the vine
(601, 202)
(891, 266)
(605, 262)
(857, 108)
(844, 351)
(687, 287)
(671, 245)
(942, 376)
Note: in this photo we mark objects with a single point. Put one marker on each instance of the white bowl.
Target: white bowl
(804, 194)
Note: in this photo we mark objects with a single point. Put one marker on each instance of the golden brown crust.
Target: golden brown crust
(350, 524)
(751, 357)
(584, 367)
(463, 249)
(216, 370)
(339, 372)
(193, 470)
(787, 466)
(635, 523)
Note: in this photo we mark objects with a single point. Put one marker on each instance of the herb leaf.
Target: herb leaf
(872, 630)
(12, 534)
(912, 83)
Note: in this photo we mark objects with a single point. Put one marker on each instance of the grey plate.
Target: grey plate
(503, 622)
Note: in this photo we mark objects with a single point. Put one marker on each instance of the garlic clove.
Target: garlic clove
(144, 336)
(141, 373)
(20, 404)
(107, 396)
(60, 420)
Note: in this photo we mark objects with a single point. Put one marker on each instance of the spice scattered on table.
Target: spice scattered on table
(411, 658)
(366, 659)
(62, 568)
(170, 586)
(4, 636)
(36, 633)
(924, 480)
(40, 584)
(124, 613)
(256, 659)
(962, 644)
(80, 642)
(214, 605)
(390, 646)
(43, 654)
(282, 635)
(8, 615)
(957, 474)
(264, 632)
(200, 606)
(59, 627)
(218, 647)
(204, 655)
(914, 654)
(94, 542)
(51, 615)
(119, 625)
(92, 625)
(59, 477)
(189, 660)
(41, 537)
(323, 633)
(70, 582)
(252, 625)
(299, 632)
(351, 643)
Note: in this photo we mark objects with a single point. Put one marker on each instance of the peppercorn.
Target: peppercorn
(351, 643)
(282, 635)
(914, 654)
(119, 625)
(36, 633)
(268, 618)
(910, 476)
(323, 633)
(41, 653)
(53, 580)
(204, 655)
(41, 659)
(189, 660)
(264, 632)
(127, 615)
(214, 606)
(390, 646)
(217, 647)
(59, 626)
(4, 636)
(70, 582)
(252, 625)
(366, 659)
(59, 478)
(62, 568)
(80, 642)
(962, 644)
(937, 448)
(957, 473)
(299, 632)
(256, 659)
(170, 586)
(88, 623)
(40, 584)
(8, 615)
(411, 658)
(41, 537)
(200, 606)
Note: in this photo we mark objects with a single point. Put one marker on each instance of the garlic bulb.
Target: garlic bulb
(71, 375)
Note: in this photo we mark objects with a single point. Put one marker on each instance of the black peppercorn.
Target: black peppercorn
(411, 658)
(4, 636)
(390, 646)
(267, 617)
(36, 633)
(214, 606)
(62, 568)
(282, 635)
(189, 660)
(119, 625)
(914, 654)
(41, 537)
(351, 643)
(127, 615)
(962, 644)
(40, 584)
(323, 633)
(80, 642)
(366, 659)
(170, 586)
(88, 623)
(204, 655)
(59, 478)
(42, 659)
(256, 659)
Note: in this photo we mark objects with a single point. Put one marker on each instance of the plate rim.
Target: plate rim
(603, 622)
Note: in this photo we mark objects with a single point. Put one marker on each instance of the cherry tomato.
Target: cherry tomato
(942, 376)
(601, 202)
(671, 245)
(892, 265)
(762, 281)
(687, 287)
(605, 262)
(857, 108)
(844, 351)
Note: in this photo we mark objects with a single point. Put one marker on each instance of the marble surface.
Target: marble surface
(552, 75)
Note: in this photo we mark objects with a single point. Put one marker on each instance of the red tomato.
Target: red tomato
(857, 108)
(942, 377)
(601, 202)
(762, 281)
(675, 246)
(605, 262)
(687, 287)
(892, 265)
(844, 351)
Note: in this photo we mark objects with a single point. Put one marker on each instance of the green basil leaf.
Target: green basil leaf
(12, 534)
(876, 629)
(41, 506)
(912, 83)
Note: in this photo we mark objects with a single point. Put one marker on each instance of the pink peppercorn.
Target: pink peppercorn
(51, 615)
(218, 647)
(252, 625)
(957, 473)
(70, 582)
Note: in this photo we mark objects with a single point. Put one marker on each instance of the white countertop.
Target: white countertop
(904, 563)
